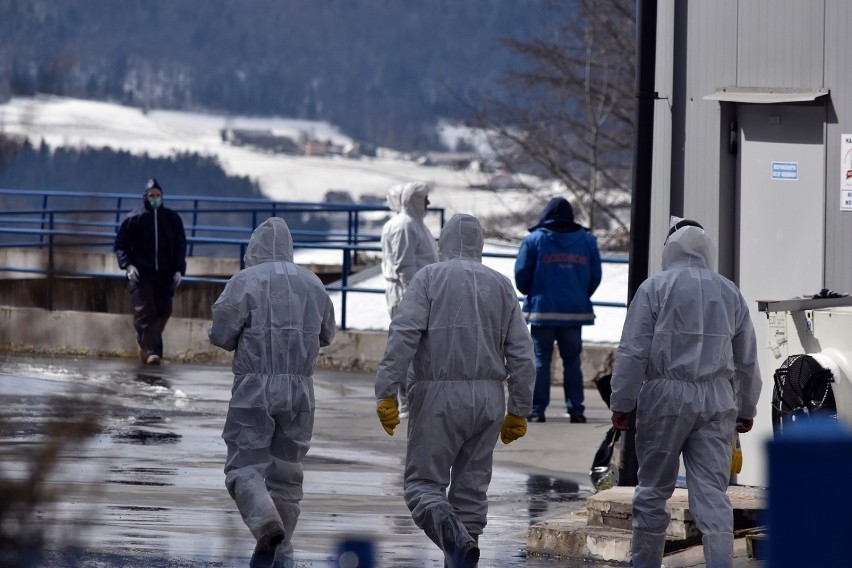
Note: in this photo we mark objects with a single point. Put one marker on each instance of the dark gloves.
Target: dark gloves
(620, 420)
(744, 424)
(826, 293)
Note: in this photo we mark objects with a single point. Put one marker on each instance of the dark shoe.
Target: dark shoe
(154, 359)
(448, 532)
(264, 550)
(578, 419)
(536, 418)
(468, 557)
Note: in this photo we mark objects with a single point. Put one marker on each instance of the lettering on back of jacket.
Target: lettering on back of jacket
(568, 257)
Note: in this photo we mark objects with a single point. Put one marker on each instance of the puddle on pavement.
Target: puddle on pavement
(156, 487)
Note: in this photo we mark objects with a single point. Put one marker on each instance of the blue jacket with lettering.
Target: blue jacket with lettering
(558, 269)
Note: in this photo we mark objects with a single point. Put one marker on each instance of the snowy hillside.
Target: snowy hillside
(71, 122)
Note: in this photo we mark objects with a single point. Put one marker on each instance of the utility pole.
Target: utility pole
(640, 212)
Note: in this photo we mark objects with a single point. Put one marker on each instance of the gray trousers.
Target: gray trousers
(268, 431)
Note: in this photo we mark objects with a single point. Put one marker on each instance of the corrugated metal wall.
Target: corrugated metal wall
(780, 43)
(838, 78)
(704, 45)
(803, 44)
(688, 161)
(711, 63)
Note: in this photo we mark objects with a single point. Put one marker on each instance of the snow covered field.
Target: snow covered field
(369, 310)
(71, 122)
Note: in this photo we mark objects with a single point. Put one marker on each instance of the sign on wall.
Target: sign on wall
(846, 172)
(785, 171)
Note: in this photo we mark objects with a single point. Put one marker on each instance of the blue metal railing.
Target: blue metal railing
(51, 228)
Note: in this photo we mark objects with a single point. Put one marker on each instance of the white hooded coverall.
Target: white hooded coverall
(275, 315)
(461, 324)
(687, 362)
(407, 244)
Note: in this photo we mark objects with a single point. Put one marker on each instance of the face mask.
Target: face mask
(155, 202)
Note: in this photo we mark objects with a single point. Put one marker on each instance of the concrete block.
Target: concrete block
(614, 508)
(611, 508)
(97, 334)
(569, 536)
(354, 351)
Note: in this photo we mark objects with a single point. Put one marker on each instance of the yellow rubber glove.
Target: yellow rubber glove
(736, 456)
(388, 415)
(514, 427)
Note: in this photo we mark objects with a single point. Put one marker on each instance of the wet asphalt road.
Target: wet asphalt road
(148, 489)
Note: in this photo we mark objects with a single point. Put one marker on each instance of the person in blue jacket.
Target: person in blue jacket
(558, 268)
(151, 247)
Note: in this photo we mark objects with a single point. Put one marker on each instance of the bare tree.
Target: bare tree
(569, 115)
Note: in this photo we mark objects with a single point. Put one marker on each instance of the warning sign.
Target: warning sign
(846, 172)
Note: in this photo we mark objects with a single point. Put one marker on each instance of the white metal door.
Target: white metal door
(781, 174)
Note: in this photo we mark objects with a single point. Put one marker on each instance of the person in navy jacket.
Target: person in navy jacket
(558, 268)
(151, 248)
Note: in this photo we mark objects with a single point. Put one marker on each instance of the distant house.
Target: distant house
(338, 196)
(452, 160)
(322, 148)
(261, 139)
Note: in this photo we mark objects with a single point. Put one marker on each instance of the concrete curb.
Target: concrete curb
(92, 334)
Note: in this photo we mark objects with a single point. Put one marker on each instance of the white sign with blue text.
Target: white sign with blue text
(785, 171)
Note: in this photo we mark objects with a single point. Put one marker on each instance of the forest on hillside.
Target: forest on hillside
(30, 170)
(42, 167)
(385, 71)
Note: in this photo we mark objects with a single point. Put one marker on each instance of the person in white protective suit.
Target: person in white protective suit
(687, 364)
(394, 202)
(407, 246)
(461, 324)
(275, 316)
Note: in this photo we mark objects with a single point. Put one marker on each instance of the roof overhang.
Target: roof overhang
(765, 95)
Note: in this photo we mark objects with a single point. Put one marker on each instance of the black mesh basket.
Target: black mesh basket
(802, 389)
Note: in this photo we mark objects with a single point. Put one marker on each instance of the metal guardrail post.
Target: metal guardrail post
(50, 266)
(351, 231)
(118, 211)
(344, 280)
(194, 223)
(43, 213)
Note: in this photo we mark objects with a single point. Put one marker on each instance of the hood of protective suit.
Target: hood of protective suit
(394, 198)
(271, 241)
(461, 237)
(689, 246)
(413, 198)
